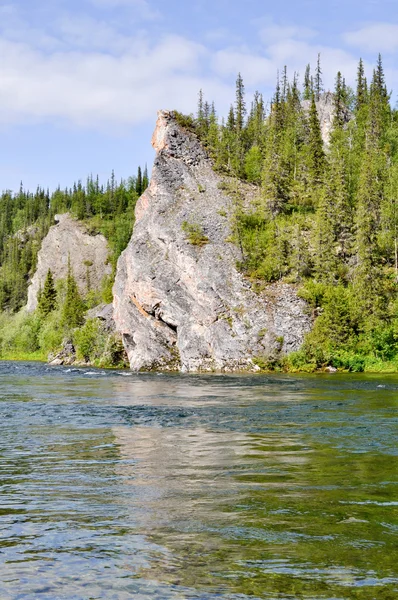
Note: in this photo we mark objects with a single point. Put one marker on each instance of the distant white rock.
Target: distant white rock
(88, 256)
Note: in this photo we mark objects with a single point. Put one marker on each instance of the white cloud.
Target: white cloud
(96, 89)
(375, 37)
(88, 72)
(261, 69)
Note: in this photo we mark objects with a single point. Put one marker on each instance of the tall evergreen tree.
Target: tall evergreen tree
(361, 92)
(315, 142)
(73, 306)
(339, 101)
(307, 83)
(138, 185)
(240, 104)
(318, 79)
(145, 179)
(47, 298)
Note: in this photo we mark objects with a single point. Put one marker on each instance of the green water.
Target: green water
(209, 487)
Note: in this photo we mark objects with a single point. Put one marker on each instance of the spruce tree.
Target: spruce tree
(325, 238)
(240, 104)
(47, 297)
(200, 113)
(138, 184)
(339, 101)
(362, 92)
(307, 83)
(145, 179)
(315, 143)
(231, 125)
(73, 307)
(318, 79)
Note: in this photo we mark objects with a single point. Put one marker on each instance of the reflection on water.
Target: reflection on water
(164, 487)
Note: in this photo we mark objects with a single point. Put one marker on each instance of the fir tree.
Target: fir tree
(318, 79)
(307, 83)
(362, 92)
(325, 255)
(145, 179)
(138, 184)
(231, 119)
(47, 297)
(339, 101)
(200, 113)
(73, 307)
(315, 142)
(240, 104)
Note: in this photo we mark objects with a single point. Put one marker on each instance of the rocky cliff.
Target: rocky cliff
(88, 256)
(179, 300)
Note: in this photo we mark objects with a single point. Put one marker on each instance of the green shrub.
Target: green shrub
(89, 340)
(194, 234)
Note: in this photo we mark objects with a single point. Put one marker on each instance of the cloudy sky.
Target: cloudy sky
(81, 80)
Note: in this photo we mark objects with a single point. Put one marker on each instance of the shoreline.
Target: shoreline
(385, 368)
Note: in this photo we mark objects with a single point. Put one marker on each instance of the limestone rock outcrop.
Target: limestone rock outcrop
(88, 256)
(179, 300)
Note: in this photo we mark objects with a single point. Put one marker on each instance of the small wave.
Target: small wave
(95, 373)
(375, 502)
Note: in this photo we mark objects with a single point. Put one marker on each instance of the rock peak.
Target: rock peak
(172, 140)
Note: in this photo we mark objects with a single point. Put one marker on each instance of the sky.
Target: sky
(81, 81)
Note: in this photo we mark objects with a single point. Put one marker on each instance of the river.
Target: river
(118, 485)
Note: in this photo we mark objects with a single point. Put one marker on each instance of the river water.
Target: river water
(148, 486)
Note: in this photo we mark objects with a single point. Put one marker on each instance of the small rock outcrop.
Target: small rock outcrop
(326, 112)
(88, 256)
(179, 300)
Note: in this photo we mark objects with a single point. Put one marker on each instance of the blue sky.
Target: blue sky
(81, 80)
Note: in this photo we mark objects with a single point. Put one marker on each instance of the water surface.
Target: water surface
(120, 485)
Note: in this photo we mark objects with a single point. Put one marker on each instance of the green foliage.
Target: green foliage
(253, 162)
(185, 121)
(194, 234)
(87, 340)
(96, 345)
(19, 333)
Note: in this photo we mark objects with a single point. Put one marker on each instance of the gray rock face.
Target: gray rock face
(326, 112)
(103, 312)
(70, 238)
(184, 306)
